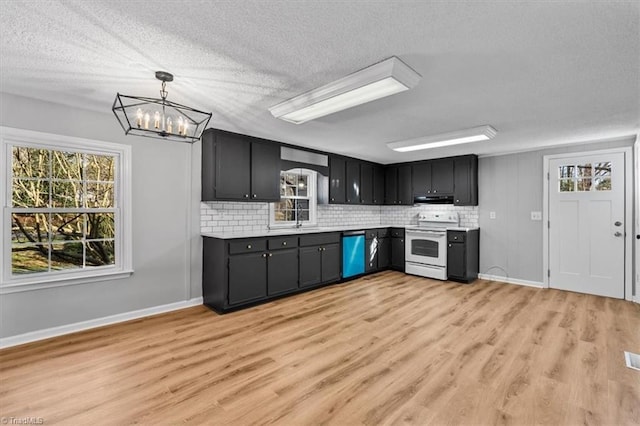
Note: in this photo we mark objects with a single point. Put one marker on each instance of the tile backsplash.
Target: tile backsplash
(227, 216)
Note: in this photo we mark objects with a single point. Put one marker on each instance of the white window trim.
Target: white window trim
(313, 203)
(124, 256)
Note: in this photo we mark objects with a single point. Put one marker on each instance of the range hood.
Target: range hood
(433, 199)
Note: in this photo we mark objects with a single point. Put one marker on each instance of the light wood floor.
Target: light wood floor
(385, 349)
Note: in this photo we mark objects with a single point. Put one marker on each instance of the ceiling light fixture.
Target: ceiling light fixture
(160, 118)
(377, 81)
(475, 134)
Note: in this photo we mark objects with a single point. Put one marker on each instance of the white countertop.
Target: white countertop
(300, 231)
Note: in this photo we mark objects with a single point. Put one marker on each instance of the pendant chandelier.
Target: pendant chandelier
(160, 118)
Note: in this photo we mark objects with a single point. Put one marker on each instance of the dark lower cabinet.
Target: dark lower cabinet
(371, 255)
(331, 263)
(384, 253)
(282, 271)
(397, 249)
(310, 266)
(247, 277)
(463, 255)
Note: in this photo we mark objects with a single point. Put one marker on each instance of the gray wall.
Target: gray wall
(511, 185)
(163, 231)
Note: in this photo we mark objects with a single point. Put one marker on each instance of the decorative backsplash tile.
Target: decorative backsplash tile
(227, 216)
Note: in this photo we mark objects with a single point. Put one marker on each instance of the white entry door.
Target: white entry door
(586, 224)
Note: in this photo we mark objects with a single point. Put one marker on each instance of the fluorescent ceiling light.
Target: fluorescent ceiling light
(476, 134)
(383, 79)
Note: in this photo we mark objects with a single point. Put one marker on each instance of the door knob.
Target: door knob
(618, 234)
(618, 223)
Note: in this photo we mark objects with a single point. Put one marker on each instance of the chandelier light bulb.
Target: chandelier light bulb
(139, 116)
(147, 118)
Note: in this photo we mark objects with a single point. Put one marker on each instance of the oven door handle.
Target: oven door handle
(428, 234)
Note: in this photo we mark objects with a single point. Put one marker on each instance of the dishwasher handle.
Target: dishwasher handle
(350, 233)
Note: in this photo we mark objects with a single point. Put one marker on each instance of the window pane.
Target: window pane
(100, 253)
(30, 162)
(302, 185)
(566, 171)
(100, 226)
(67, 256)
(303, 204)
(67, 226)
(99, 167)
(99, 195)
(29, 258)
(602, 169)
(566, 185)
(602, 183)
(30, 193)
(30, 227)
(303, 215)
(584, 170)
(66, 165)
(66, 194)
(584, 184)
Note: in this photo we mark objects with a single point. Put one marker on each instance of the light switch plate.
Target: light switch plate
(536, 215)
(492, 215)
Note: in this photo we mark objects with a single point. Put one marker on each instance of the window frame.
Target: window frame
(312, 196)
(10, 283)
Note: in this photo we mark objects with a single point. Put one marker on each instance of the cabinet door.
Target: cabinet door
(353, 182)
(331, 263)
(366, 183)
(247, 277)
(456, 260)
(336, 180)
(282, 271)
(384, 253)
(265, 171)
(233, 167)
(442, 177)
(310, 261)
(465, 191)
(372, 249)
(378, 185)
(391, 185)
(405, 192)
(421, 178)
(397, 253)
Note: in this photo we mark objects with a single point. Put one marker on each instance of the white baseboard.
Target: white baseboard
(98, 322)
(511, 280)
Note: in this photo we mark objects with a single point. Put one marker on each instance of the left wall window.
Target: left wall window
(66, 209)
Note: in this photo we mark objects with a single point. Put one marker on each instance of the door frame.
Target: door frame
(628, 212)
(636, 159)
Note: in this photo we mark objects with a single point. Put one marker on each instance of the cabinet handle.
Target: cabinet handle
(270, 254)
(248, 246)
(434, 191)
(449, 245)
(255, 195)
(319, 248)
(429, 192)
(402, 241)
(457, 201)
(333, 199)
(284, 243)
(348, 200)
(455, 238)
(264, 254)
(246, 195)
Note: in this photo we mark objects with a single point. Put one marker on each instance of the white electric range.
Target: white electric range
(426, 244)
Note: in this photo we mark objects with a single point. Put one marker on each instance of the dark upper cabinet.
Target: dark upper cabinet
(265, 170)
(397, 185)
(247, 277)
(366, 183)
(352, 173)
(391, 185)
(337, 194)
(465, 181)
(433, 177)
(405, 192)
(238, 167)
(442, 176)
(378, 185)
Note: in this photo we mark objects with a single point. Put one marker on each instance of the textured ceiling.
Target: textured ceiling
(542, 73)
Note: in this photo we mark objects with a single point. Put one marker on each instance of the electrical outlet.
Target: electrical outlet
(492, 215)
(536, 215)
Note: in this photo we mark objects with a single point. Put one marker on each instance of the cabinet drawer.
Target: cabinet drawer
(384, 233)
(397, 232)
(456, 236)
(319, 239)
(282, 243)
(247, 246)
(370, 234)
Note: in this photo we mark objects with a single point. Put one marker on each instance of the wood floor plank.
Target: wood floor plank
(386, 349)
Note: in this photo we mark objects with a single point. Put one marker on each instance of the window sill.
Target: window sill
(30, 284)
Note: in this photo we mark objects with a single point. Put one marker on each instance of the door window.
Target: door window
(584, 177)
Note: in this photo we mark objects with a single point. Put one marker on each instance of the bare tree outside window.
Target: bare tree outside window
(63, 210)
